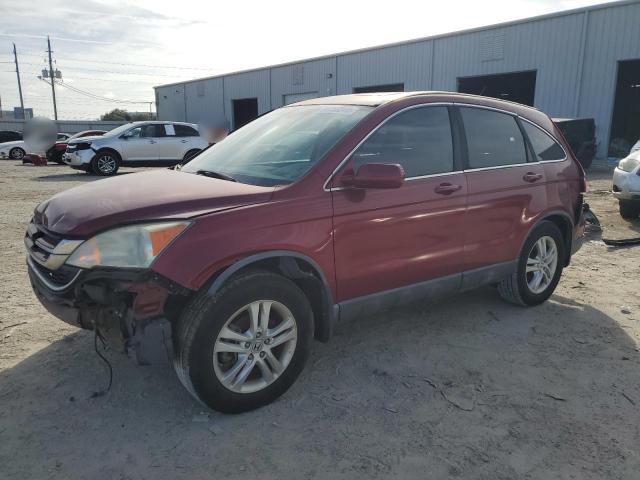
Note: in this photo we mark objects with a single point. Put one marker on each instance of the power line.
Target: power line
(98, 97)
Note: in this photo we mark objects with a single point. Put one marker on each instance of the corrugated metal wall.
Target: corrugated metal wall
(575, 56)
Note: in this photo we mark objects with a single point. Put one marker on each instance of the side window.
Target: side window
(185, 131)
(152, 131)
(418, 139)
(135, 132)
(545, 147)
(493, 138)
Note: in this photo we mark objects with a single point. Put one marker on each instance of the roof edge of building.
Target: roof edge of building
(546, 16)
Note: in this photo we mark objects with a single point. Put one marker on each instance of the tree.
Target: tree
(120, 115)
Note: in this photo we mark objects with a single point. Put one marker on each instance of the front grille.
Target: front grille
(62, 276)
(49, 252)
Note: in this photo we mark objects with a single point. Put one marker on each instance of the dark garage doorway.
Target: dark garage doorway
(392, 87)
(244, 111)
(625, 123)
(517, 87)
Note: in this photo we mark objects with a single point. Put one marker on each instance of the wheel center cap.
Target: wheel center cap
(257, 346)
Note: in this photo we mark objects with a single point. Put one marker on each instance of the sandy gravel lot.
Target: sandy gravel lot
(468, 388)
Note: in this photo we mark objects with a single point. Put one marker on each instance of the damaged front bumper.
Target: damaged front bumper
(132, 310)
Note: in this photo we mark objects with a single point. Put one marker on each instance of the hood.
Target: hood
(139, 197)
(87, 139)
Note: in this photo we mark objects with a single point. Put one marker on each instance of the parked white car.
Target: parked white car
(626, 185)
(18, 149)
(137, 144)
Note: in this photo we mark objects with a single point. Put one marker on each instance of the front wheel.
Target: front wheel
(105, 163)
(539, 267)
(244, 346)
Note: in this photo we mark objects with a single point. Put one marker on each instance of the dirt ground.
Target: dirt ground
(470, 387)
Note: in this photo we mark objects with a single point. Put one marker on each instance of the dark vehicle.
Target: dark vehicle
(580, 134)
(315, 213)
(54, 154)
(9, 136)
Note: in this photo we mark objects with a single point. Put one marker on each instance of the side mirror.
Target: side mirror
(375, 175)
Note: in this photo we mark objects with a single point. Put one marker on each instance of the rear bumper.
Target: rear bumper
(126, 308)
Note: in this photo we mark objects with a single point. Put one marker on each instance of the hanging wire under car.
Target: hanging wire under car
(104, 359)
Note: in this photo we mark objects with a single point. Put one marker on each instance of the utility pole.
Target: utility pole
(15, 57)
(52, 77)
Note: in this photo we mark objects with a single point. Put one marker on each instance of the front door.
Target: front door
(506, 191)
(390, 238)
(141, 143)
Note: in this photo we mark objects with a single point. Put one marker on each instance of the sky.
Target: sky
(118, 50)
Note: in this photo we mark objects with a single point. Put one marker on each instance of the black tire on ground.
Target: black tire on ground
(515, 288)
(629, 210)
(105, 163)
(17, 153)
(201, 322)
(189, 156)
(56, 156)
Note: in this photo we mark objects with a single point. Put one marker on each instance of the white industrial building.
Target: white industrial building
(578, 63)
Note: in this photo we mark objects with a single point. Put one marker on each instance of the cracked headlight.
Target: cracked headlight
(134, 246)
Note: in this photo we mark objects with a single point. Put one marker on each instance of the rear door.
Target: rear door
(506, 186)
(390, 238)
(170, 145)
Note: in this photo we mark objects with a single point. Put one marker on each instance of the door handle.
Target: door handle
(532, 177)
(152, 141)
(447, 188)
(183, 141)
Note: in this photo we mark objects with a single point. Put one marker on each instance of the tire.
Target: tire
(189, 156)
(17, 153)
(200, 329)
(629, 210)
(105, 163)
(519, 288)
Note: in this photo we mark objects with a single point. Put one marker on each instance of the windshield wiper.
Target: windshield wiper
(212, 174)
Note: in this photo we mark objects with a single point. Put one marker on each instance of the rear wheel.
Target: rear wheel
(244, 346)
(539, 267)
(629, 210)
(105, 163)
(17, 153)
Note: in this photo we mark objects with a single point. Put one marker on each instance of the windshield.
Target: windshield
(121, 129)
(280, 147)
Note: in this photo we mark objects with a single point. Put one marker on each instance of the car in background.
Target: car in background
(9, 136)
(314, 213)
(580, 134)
(626, 185)
(137, 144)
(18, 149)
(55, 153)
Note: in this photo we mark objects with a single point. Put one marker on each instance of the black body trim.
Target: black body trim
(428, 290)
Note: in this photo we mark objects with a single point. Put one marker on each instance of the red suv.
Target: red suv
(314, 213)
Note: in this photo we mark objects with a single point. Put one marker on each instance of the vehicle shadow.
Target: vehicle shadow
(470, 387)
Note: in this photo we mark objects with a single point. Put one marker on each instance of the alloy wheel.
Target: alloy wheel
(542, 263)
(255, 346)
(16, 154)
(106, 164)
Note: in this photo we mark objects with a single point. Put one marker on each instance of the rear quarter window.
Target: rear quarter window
(544, 147)
(494, 139)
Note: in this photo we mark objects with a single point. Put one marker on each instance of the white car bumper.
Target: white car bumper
(79, 158)
(626, 185)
